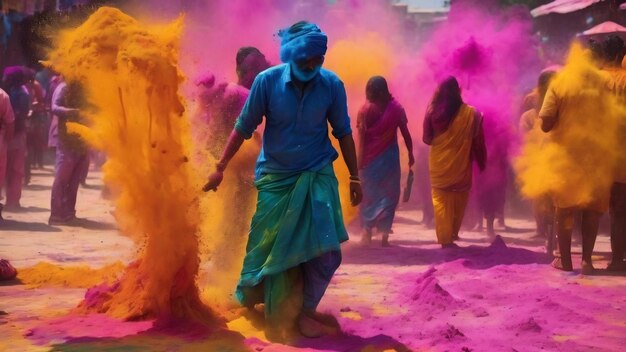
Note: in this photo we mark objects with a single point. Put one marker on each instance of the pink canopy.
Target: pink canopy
(605, 28)
(562, 6)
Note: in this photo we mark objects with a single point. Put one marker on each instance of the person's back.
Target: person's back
(454, 131)
(450, 154)
(577, 115)
(378, 123)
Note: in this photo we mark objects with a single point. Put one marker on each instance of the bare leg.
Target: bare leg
(618, 227)
(385, 239)
(491, 232)
(565, 226)
(589, 227)
(366, 239)
(540, 220)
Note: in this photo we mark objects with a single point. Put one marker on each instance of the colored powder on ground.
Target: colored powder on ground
(575, 161)
(75, 276)
(130, 73)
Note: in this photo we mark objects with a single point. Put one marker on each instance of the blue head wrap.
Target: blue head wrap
(303, 42)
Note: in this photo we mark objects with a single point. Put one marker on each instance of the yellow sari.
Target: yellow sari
(451, 174)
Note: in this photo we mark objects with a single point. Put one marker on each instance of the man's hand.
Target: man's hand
(356, 194)
(214, 180)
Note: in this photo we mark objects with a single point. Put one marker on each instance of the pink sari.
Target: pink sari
(379, 129)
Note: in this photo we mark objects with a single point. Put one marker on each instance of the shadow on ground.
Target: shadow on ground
(92, 224)
(84, 333)
(12, 225)
(353, 343)
(476, 257)
(36, 187)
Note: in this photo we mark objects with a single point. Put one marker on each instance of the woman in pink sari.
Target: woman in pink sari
(379, 158)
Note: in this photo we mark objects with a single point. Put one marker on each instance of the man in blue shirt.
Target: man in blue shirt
(297, 229)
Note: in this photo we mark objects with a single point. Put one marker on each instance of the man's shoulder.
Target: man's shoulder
(330, 76)
(273, 72)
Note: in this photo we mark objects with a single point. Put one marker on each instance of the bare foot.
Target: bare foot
(587, 268)
(616, 266)
(310, 327)
(385, 240)
(314, 324)
(275, 334)
(450, 245)
(366, 238)
(558, 263)
(328, 320)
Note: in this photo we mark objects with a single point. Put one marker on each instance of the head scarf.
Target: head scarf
(301, 41)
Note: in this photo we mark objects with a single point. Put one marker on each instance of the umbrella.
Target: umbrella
(562, 6)
(607, 27)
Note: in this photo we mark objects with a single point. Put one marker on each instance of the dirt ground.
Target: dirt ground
(413, 296)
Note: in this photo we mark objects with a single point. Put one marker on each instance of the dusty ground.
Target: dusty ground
(412, 296)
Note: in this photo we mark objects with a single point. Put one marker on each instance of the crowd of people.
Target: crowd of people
(297, 228)
(35, 108)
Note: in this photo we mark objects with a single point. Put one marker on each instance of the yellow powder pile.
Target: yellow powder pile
(78, 276)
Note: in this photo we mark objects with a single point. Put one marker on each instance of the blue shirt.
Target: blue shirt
(296, 123)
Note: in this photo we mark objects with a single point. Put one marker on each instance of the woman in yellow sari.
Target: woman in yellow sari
(454, 131)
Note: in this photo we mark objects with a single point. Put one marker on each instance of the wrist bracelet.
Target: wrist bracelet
(358, 182)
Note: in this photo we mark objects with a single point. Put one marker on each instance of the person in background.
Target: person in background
(455, 134)
(37, 127)
(543, 207)
(14, 80)
(7, 125)
(72, 156)
(613, 50)
(378, 122)
(565, 112)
